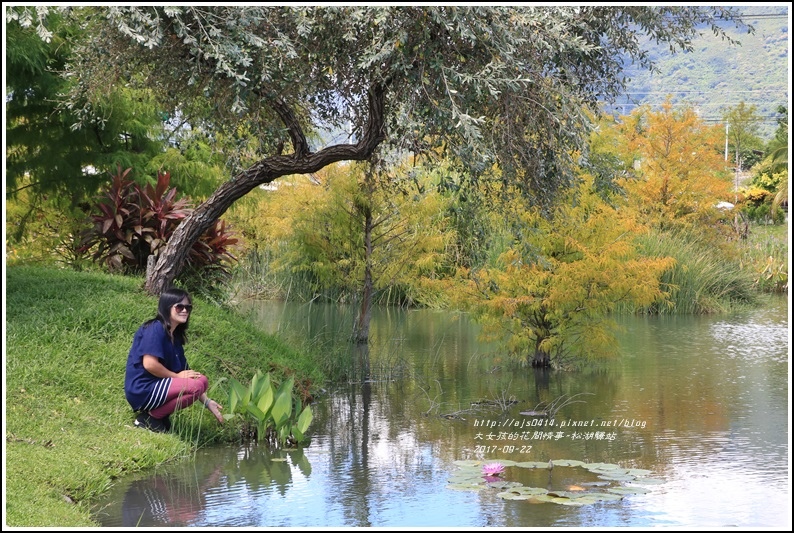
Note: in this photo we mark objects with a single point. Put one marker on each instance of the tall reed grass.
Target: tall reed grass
(704, 279)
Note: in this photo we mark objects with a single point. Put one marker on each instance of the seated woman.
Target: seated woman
(158, 379)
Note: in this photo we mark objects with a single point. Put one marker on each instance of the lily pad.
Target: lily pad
(628, 490)
(465, 479)
(648, 481)
(639, 472)
(595, 497)
(601, 466)
(617, 477)
(567, 462)
(504, 484)
(458, 486)
(567, 494)
(562, 501)
(533, 464)
(541, 498)
(514, 496)
(531, 491)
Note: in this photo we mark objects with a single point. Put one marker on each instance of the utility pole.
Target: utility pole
(726, 141)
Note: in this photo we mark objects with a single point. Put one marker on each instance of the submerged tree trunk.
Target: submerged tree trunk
(173, 259)
(541, 359)
(361, 327)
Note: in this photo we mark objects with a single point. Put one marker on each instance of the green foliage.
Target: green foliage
(743, 122)
(43, 148)
(44, 230)
(134, 222)
(548, 299)
(276, 415)
(768, 181)
(765, 255)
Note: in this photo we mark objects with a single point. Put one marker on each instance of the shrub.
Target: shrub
(132, 222)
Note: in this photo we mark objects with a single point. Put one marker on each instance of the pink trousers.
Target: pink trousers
(181, 393)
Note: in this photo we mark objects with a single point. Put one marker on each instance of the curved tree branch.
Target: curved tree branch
(171, 262)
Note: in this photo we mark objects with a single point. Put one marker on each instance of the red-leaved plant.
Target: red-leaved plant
(134, 222)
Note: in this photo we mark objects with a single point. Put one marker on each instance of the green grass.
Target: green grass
(69, 431)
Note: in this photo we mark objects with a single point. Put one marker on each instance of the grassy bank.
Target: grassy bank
(68, 427)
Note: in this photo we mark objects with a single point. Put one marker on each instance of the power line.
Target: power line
(709, 91)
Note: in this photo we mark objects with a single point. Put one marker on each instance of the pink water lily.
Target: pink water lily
(492, 469)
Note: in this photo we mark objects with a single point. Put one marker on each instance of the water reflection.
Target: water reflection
(702, 402)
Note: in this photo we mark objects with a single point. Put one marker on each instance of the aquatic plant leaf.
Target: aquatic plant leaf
(542, 498)
(264, 397)
(628, 490)
(465, 479)
(601, 466)
(463, 486)
(304, 420)
(532, 464)
(603, 496)
(504, 462)
(529, 490)
(648, 481)
(259, 385)
(503, 484)
(639, 472)
(282, 407)
(514, 496)
(236, 394)
(256, 412)
(297, 434)
(566, 494)
(567, 462)
(283, 433)
(569, 503)
(617, 477)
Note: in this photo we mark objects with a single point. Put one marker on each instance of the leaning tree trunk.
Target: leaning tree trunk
(171, 262)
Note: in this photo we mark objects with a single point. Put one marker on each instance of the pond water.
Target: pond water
(697, 407)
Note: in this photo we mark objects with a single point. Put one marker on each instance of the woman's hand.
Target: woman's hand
(189, 374)
(215, 408)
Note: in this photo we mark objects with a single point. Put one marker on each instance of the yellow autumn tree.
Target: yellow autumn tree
(550, 296)
(680, 172)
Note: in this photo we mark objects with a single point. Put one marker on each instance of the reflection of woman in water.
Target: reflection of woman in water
(166, 500)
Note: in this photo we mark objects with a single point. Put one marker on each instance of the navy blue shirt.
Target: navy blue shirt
(145, 391)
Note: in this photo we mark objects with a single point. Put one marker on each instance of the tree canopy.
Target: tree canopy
(501, 85)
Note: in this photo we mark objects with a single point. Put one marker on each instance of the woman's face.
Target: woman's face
(180, 313)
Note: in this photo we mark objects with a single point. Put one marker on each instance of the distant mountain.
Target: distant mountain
(717, 75)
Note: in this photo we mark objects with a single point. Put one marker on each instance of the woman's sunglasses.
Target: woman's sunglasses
(183, 307)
